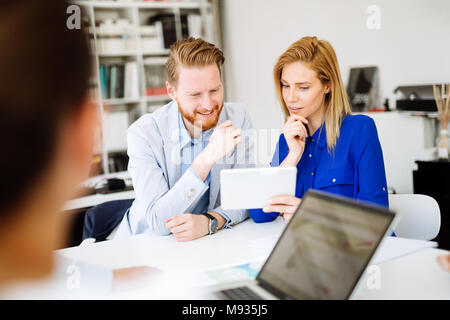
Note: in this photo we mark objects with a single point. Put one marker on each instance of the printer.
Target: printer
(416, 98)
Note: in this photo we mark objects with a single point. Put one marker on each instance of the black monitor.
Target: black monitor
(362, 88)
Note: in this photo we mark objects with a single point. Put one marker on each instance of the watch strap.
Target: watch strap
(208, 215)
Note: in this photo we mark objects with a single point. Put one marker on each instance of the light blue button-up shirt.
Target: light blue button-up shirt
(165, 185)
(189, 150)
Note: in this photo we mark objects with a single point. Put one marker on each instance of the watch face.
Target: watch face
(214, 225)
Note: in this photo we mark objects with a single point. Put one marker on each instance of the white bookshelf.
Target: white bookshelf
(134, 50)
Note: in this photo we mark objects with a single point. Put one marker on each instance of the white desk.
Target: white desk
(95, 199)
(415, 276)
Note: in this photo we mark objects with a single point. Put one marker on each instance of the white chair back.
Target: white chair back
(419, 216)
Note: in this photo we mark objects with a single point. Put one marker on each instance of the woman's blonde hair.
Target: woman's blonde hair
(320, 57)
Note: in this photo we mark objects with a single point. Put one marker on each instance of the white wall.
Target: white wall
(411, 47)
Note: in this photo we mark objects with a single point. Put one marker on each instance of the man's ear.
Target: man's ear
(171, 91)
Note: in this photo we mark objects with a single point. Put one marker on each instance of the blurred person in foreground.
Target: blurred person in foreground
(47, 134)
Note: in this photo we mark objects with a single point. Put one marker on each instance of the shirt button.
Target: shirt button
(312, 173)
(334, 180)
(384, 189)
(310, 155)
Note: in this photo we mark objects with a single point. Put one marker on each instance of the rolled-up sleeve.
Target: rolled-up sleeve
(236, 214)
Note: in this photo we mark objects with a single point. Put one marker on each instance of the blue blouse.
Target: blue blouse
(355, 170)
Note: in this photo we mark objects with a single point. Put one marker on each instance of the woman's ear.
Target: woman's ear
(327, 87)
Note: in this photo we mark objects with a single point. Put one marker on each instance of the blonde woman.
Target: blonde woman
(333, 150)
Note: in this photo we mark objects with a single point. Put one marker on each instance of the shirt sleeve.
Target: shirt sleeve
(370, 167)
(155, 201)
(228, 222)
(244, 158)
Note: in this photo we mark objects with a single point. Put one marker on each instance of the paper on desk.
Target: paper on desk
(245, 271)
(395, 247)
(391, 247)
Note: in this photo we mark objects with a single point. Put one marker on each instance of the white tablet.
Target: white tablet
(252, 188)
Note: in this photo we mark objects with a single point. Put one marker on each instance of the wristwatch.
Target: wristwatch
(213, 223)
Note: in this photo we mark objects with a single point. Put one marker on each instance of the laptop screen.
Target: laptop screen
(325, 248)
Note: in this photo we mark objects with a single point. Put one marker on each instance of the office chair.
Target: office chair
(419, 216)
(102, 219)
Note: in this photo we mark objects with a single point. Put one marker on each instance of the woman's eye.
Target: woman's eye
(304, 88)
(285, 85)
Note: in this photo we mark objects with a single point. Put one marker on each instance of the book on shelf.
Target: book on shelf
(151, 39)
(113, 80)
(103, 81)
(155, 78)
(166, 28)
(209, 32)
(191, 25)
(115, 130)
(131, 89)
(119, 80)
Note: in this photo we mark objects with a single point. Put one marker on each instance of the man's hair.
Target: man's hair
(44, 77)
(192, 52)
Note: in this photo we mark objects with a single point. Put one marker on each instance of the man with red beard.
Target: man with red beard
(177, 152)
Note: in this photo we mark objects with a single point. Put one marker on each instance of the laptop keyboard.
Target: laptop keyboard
(240, 293)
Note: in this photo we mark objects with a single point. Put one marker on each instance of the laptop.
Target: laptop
(321, 254)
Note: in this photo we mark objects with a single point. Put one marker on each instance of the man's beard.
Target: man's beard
(203, 124)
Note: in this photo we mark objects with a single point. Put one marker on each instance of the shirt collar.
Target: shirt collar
(320, 136)
(185, 137)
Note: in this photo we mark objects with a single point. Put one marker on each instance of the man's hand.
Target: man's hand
(188, 226)
(223, 140)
